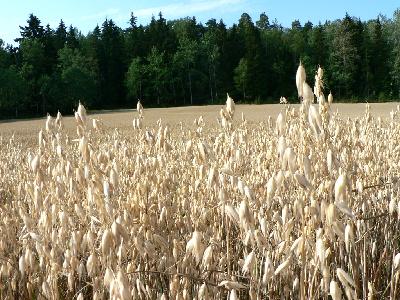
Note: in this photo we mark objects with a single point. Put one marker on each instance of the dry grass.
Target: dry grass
(183, 208)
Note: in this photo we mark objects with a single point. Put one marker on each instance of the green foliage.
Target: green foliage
(134, 78)
(78, 77)
(263, 22)
(395, 55)
(33, 54)
(344, 57)
(110, 57)
(34, 29)
(211, 50)
(156, 70)
(182, 61)
(255, 54)
(242, 76)
(4, 55)
(13, 91)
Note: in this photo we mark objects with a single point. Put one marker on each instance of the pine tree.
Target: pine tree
(344, 58)
(254, 53)
(33, 30)
(379, 64)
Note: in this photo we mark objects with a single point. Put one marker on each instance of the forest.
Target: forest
(184, 62)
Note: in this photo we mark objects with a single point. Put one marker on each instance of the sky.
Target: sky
(85, 15)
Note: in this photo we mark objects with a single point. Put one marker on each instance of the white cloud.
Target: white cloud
(107, 13)
(186, 7)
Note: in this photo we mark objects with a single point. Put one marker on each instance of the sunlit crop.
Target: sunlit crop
(303, 207)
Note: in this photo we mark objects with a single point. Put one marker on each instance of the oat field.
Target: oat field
(219, 202)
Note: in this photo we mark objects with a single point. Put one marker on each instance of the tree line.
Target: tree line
(185, 62)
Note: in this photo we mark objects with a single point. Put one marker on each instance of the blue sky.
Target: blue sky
(86, 14)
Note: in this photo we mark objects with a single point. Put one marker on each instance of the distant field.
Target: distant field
(174, 115)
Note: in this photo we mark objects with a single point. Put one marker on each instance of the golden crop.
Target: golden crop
(305, 207)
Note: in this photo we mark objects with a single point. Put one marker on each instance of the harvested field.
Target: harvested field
(123, 119)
